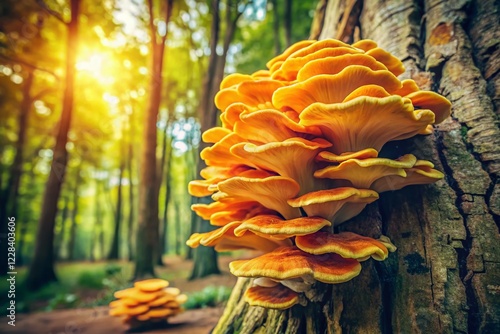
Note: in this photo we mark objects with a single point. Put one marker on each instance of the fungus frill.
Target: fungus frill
(298, 154)
(148, 302)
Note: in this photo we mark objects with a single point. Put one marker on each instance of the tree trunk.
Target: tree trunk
(166, 157)
(114, 252)
(8, 201)
(276, 28)
(147, 231)
(74, 217)
(444, 276)
(60, 236)
(97, 221)
(288, 22)
(131, 197)
(41, 270)
(207, 112)
(178, 229)
(168, 192)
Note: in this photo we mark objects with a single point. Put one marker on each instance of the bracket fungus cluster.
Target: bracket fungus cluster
(298, 154)
(148, 302)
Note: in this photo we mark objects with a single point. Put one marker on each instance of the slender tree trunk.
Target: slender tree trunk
(131, 200)
(178, 229)
(114, 253)
(60, 236)
(208, 116)
(207, 113)
(147, 232)
(191, 165)
(276, 27)
(168, 192)
(8, 203)
(165, 158)
(41, 270)
(98, 219)
(444, 276)
(288, 22)
(74, 217)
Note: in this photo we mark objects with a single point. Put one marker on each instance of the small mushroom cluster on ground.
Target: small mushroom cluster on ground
(298, 154)
(149, 301)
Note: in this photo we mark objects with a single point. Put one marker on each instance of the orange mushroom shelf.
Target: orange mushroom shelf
(149, 301)
(298, 153)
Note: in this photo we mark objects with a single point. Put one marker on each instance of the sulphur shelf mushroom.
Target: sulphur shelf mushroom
(297, 154)
(148, 302)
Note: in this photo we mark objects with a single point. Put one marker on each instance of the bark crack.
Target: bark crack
(466, 274)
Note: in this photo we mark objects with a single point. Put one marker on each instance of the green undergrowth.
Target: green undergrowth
(208, 297)
(90, 284)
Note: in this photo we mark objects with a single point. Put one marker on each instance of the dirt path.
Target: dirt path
(97, 321)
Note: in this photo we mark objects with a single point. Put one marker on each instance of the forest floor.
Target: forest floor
(94, 319)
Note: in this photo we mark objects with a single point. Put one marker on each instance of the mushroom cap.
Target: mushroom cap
(330, 89)
(255, 93)
(181, 299)
(290, 68)
(151, 285)
(157, 313)
(362, 173)
(131, 310)
(136, 294)
(293, 158)
(317, 46)
(290, 262)
(421, 173)
(277, 297)
(344, 124)
(221, 214)
(336, 205)
(334, 65)
(346, 244)
(365, 44)
(214, 135)
(438, 104)
(338, 158)
(124, 302)
(219, 154)
(234, 79)
(224, 239)
(278, 228)
(255, 126)
(161, 300)
(291, 49)
(172, 291)
(393, 64)
(272, 192)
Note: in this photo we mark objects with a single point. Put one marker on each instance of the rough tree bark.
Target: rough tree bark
(444, 277)
(41, 270)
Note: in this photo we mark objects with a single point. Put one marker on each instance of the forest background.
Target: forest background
(101, 108)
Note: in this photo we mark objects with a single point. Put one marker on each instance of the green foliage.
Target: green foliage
(255, 39)
(209, 296)
(62, 300)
